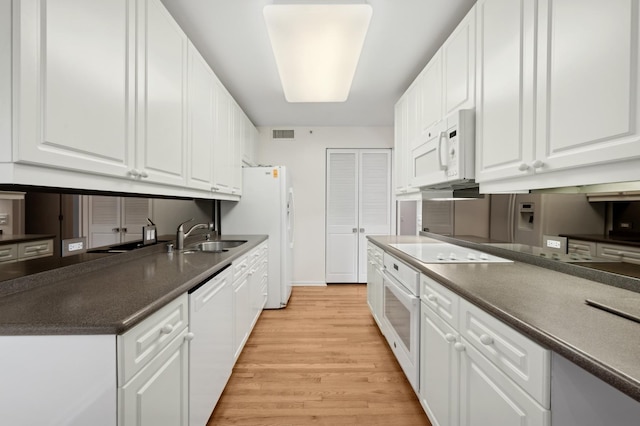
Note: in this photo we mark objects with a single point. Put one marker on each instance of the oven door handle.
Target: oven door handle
(400, 291)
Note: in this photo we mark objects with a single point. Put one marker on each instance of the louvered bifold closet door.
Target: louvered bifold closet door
(104, 221)
(374, 216)
(342, 216)
(358, 204)
(135, 212)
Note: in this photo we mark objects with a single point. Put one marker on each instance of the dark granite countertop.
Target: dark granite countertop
(110, 294)
(549, 307)
(23, 238)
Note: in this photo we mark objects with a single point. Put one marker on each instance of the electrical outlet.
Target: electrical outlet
(4, 218)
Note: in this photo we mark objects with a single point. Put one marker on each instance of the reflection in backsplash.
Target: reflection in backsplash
(102, 220)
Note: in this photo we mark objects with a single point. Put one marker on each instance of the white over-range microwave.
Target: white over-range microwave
(445, 158)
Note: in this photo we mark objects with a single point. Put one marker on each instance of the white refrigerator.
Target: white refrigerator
(266, 207)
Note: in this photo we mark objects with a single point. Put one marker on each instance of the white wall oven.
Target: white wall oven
(401, 315)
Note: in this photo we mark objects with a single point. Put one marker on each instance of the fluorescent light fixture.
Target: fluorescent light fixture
(317, 48)
(452, 194)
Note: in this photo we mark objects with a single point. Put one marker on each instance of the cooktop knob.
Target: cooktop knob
(440, 256)
(484, 256)
(452, 256)
(471, 256)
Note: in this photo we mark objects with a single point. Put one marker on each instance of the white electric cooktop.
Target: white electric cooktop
(447, 253)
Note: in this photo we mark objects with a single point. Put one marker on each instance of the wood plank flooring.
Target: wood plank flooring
(320, 361)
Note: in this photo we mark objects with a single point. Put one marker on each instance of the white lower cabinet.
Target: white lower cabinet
(440, 369)
(158, 395)
(375, 283)
(499, 378)
(153, 369)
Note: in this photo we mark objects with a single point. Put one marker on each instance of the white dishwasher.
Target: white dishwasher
(211, 350)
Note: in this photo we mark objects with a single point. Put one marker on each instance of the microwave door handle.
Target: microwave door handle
(443, 164)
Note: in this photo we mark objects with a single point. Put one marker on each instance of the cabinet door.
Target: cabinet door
(201, 121)
(158, 394)
(414, 108)
(439, 369)
(488, 397)
(76, 87)
(241, 313)
(458, 64)
(431, 94)
(342, 216)
(235, 158)
(222, 175)
(401, 153)
(162, 95)
(588, 98)
(505, 85)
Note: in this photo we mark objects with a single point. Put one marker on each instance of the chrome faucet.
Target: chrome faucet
(181, 235)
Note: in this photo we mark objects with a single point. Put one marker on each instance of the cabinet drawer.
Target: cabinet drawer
(582, 247)
(375, 253)
(35, 249)
(240, 266)
(8, 252)
(442, 300)
(405, 274)
(524, 361)
(619, 252)
(138, 346)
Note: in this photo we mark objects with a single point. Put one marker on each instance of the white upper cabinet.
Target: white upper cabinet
(431, 94)
(201, 121)
(504, 120)
(76, 101)
(588, 108)
(110, 95)
(561, 106)
(222, 149)
(162, 95)
(459, 66)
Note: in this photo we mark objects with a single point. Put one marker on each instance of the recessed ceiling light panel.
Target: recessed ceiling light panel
(317, 48)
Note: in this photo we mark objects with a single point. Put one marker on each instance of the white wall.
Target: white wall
(305, 157)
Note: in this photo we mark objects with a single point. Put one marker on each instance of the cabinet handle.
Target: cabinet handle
(166, 329)
(354, 230)
(450, 337)
(362, 230)
(124, 229)
(115, 230)
(486, 340)
(134, 173)
(523, 167)
(215, 188)
(189, 336)
(432, 298)
(538, 164)
(459, 347)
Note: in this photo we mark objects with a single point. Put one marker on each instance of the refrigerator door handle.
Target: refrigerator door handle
(292, 218)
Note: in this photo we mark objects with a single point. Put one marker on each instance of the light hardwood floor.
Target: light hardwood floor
(320, 361)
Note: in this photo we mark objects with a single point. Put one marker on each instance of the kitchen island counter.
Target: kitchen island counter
(549, 307)
(110, 294)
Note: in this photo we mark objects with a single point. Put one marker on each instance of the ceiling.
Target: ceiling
(403, 35)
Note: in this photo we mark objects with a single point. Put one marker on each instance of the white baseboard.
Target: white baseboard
(309, 284)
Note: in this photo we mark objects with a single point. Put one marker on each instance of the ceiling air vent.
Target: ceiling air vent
(283, 134)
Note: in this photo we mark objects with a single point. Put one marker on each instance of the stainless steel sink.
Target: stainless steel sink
(217, 246)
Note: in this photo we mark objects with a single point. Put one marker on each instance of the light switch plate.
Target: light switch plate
(4, 218)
